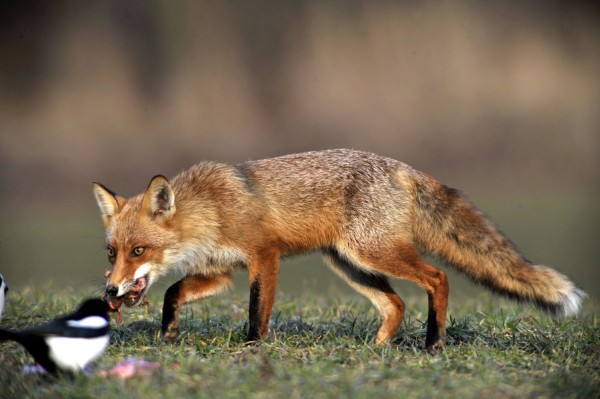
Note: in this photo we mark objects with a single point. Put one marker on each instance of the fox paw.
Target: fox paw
(435, 347)
(170, 333)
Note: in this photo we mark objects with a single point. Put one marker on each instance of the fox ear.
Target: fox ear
(159, 199)
(109, 203)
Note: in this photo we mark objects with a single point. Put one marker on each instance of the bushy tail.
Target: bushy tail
(450, 227)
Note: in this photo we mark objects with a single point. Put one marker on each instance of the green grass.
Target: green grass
(321, 347)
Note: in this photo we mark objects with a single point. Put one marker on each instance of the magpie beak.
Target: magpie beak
(68, 343)
(3, 291)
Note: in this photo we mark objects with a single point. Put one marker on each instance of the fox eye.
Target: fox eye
(138, 251)
(111, 252)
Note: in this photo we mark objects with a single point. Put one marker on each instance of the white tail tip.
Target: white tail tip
(572, 302)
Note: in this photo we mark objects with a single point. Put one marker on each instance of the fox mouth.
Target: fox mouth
(132, 297)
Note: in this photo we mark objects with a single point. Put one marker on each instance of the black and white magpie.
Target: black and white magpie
(68, 343)
(3, 291)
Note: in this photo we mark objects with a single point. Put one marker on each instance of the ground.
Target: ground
(321, 347)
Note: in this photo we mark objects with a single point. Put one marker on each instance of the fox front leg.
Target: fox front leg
(189, 289)
(263, 279)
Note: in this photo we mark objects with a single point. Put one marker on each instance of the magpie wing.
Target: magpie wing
(63, 329)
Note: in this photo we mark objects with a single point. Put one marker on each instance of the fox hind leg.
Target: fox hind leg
(188, 289)
(403, 261)
(376, 288)
(435, 283)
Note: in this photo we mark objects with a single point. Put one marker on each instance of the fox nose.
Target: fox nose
(112, 290)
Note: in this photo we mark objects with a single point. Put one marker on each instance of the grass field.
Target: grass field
(321, 347)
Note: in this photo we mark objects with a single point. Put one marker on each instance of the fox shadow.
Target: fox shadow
(305, 333)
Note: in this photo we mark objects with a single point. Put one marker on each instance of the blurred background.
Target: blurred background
(499, 99)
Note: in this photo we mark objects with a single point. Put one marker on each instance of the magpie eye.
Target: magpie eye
(111, 252)
(138, 251)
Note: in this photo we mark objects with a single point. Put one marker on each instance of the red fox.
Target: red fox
(369, 215)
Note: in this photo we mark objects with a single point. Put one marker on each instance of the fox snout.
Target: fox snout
(127, 292)
(111, 290)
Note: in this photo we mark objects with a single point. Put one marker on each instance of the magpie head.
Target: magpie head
(92, 307)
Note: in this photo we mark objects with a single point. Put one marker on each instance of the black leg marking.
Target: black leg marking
(433, 330)
(357, 275)
(170, 318)
(254, 312)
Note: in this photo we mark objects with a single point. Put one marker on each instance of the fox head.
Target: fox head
(138, 231)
